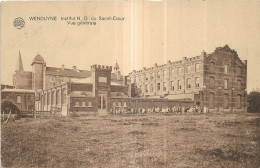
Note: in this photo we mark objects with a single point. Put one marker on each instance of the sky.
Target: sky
(151, 32)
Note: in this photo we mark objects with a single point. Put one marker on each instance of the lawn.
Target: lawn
(212, 140)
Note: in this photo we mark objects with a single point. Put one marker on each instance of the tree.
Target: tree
(8, 106)
(253, 101)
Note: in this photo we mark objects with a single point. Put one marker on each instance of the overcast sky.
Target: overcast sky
(151, 32)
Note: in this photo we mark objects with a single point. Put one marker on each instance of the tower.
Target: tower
(19, 66)
(101, 78)
(116, 70)
(38, 72)
(22, 79)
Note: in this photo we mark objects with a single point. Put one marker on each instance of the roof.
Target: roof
(67, 72)
(118, 95)
(38, 59)
(89, 80)
(81, 94)
(18, 90)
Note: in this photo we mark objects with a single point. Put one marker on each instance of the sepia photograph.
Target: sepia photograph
(127, 83)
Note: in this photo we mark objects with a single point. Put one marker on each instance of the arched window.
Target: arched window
(119, 104)
(225, 100)
(77, 103)
(212, 66)
(188, 83)
(89, 104)
(211, 82)
(211, 100)
(197, 82)
(83, 104)
(226, 69)
(238, 101)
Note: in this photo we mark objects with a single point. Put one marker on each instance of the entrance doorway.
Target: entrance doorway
(102, 104)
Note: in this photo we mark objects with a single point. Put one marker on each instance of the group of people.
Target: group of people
(163, 110)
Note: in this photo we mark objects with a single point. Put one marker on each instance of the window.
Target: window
(197, 82)
(188, 83)
(211, 100)
(225, 69)
(114, 104)
(158, 74)
(77, 103)
(172, 72)
(135, 79)
(188, 69)
(89, 104)
(164, 86)
(212, 66)
(197, 67)
(211, 82)
(119, 104)
(164, 73)
(146, 77)
(141, 78)
(124, 104)
(172, 85)
(151, 88)
(179, 70)
(238, 84)
(226, 101)
(179, 84)
(239, 71)
(83, 104)
(225, 83)
(19, 99)
(151, 76)
(158, 86)
(238, 101)
(146, 88)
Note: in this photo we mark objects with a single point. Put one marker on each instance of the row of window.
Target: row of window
(226, 83)
(119, 104)
(54, 98)
(225, 101)
(226, 68)
(179, 85)
(164, 72)
(19, 98)
(82, 104)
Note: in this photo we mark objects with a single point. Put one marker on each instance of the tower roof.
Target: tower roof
(38, 59)
(116, 65)
(19, 63)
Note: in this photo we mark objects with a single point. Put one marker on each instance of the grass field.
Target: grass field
(212, 140)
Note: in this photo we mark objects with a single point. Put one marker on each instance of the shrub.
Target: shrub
(7, 105)
(253, 101)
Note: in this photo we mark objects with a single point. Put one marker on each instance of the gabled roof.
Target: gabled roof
(67, 72)
(81, 94)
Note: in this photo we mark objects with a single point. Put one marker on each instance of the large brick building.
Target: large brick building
(216, 80)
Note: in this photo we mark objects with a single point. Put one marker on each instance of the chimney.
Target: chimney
(74, 68)
(63, 66)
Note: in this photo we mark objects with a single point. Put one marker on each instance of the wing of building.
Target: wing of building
(217, 81)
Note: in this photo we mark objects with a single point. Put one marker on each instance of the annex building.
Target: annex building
(216, 80)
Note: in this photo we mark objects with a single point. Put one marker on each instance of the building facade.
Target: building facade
(217, 80)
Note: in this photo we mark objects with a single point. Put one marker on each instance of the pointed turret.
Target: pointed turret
(19, 63)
